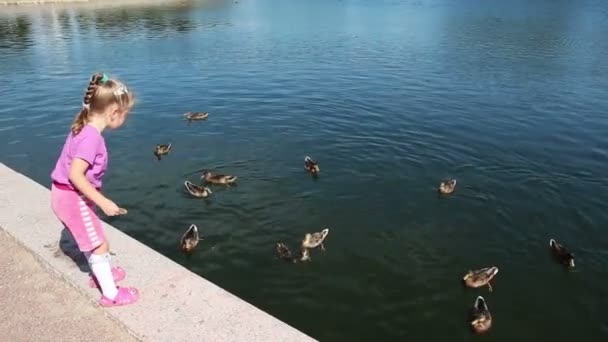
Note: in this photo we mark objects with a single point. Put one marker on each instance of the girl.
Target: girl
(77, 181)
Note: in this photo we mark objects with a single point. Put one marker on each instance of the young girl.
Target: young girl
(77, 180)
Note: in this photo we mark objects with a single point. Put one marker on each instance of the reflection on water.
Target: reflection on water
(15, 33)
(147, 22)
(509, 98)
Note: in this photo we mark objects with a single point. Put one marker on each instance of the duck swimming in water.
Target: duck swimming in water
(161, 150)
(195, 116)
(447, 187)
(315, 240)
(285, 253)
(481, 319)
(217, 178)
(561, 253)
(197, 191)
(311, 166)
(481, 277)
(190, 239)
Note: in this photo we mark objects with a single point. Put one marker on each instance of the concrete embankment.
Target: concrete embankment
(175, 304)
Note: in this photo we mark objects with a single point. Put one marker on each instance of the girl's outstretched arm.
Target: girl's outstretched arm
(78, 178)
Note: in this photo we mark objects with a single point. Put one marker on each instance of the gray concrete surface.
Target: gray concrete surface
(175, 304)
(37, 305)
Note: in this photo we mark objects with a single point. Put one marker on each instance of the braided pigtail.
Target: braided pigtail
(82, 117)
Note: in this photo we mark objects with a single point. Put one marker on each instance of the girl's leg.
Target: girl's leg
(99, 261)
(86, 228)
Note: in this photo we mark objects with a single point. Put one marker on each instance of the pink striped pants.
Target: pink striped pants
(78, 215)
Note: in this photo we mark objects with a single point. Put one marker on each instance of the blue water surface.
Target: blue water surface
(508, 97)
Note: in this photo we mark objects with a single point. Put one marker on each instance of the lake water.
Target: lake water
(390, 97)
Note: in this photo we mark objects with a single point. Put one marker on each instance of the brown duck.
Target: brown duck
(481, 277)
(561, 253)
(190, 239)
(218, 178)
(481, 318)
(196, 116)
(311, 166)
(285, 253)
(161, 150)
(197, 191)
(447, 187)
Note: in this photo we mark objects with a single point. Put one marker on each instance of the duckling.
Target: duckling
(315, 240)
(161, 150)
(562, 253)
(481, 277)
(481, 319)
(192, 116)
(190, 239)
(447, 187)
(197, 191)
(311, 166)
(217, 178)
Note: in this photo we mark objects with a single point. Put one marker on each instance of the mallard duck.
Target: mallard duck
(192, 116)
(311, 166)
(161, 150)
(447, 187)
(217, 178)
(480, 277)
(197, 191)
(190, 239)
(481, 319)
(315, 240)
(285, 253)
(562, 253)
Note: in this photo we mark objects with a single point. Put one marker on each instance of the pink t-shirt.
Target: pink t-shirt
(89, 146)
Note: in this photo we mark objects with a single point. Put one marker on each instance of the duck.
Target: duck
(315, 240)
(197, 191)
(285, 253)
(447, 187)
(311, 166)
(192, 116)
(481, 319)
(161, 150)
(481, 277)
(562, 253)
(217, 178)
(190, 239)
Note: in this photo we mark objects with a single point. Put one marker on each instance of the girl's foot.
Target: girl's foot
(125, 296)
(117, 273)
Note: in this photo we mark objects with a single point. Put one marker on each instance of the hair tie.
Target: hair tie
(86, 106)
(104, 78)
(121, 90)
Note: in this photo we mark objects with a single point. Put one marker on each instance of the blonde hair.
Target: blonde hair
(101, 93)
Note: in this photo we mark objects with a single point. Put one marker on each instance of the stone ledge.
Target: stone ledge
(175, 304)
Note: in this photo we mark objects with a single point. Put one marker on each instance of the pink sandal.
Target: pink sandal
(117, 273)
(125, 296)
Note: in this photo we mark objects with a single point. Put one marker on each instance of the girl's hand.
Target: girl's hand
(110, 208)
